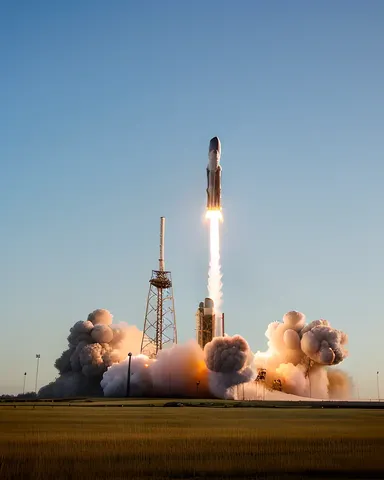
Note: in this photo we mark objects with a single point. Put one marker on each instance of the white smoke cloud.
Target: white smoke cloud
(298, 353)
(93, 345)
(299, 361)
(178, 371)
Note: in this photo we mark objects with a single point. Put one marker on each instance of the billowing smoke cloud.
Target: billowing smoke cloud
(228, 359)
(93, 346)
(323, 344)
(299, 361)
(178, 371)
(226, 354)
(297, 355)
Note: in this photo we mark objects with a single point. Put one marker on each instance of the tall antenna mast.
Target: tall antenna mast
(160, 321)
(162, 230)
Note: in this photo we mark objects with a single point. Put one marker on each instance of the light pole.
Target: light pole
(378, 386)
(129, 374)
(37, 370)
(310, 364)
(310, 387)
(25, 378)
(197, 387)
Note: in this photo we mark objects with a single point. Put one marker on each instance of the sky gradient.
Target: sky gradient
(106, 113)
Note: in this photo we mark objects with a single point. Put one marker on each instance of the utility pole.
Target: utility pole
(25, 378)
(378, 386)
(37, 370)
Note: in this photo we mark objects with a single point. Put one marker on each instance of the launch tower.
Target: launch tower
(160, 321)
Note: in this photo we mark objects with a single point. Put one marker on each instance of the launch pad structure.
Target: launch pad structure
(160, 320)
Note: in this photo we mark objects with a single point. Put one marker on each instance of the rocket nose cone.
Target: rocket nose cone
(214, 144)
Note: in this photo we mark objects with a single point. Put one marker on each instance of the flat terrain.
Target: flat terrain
(62, 442)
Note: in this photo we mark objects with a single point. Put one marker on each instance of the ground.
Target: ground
(88, 440)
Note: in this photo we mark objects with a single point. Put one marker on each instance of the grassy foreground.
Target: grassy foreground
(156, 442)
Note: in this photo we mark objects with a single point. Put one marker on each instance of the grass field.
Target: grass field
(64, 442)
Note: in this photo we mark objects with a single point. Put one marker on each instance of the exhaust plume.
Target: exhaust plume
(214, 273)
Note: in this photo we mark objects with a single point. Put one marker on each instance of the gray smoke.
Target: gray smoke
(228, 360)
(226, 354)
(93, 346)
(323, 344)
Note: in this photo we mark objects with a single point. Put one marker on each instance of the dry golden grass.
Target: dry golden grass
(155, 442)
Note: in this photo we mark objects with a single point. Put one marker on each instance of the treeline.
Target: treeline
(19, 396)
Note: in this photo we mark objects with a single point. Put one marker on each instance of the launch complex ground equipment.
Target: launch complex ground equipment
(260, 383)
(308, 369)
(160, 320)
(277, 385)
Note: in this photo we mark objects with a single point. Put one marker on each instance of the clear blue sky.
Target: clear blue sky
(106, 111)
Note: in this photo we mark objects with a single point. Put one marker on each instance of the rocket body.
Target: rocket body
(206, 322)
(214, 175)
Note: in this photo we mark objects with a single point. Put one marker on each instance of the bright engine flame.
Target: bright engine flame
(214, 214)
(214, 273)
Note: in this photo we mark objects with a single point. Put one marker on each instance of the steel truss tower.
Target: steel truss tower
(160, 321)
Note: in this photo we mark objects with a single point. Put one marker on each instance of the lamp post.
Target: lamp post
(310, 387)
(378, 386)
(129, 374)
(310, 364)
(197, 387)
(37, 370)
(25, 378)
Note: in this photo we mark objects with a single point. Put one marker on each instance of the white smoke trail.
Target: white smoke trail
(214, 272)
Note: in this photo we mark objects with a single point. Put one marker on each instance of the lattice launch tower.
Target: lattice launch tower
(160, 320)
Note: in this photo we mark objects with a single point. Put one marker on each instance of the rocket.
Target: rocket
(206, 322)
(214, 175)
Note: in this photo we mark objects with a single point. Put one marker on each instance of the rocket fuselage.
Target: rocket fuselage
(214, 175)
(206, 322)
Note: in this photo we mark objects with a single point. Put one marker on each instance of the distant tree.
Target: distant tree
(27, 395)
